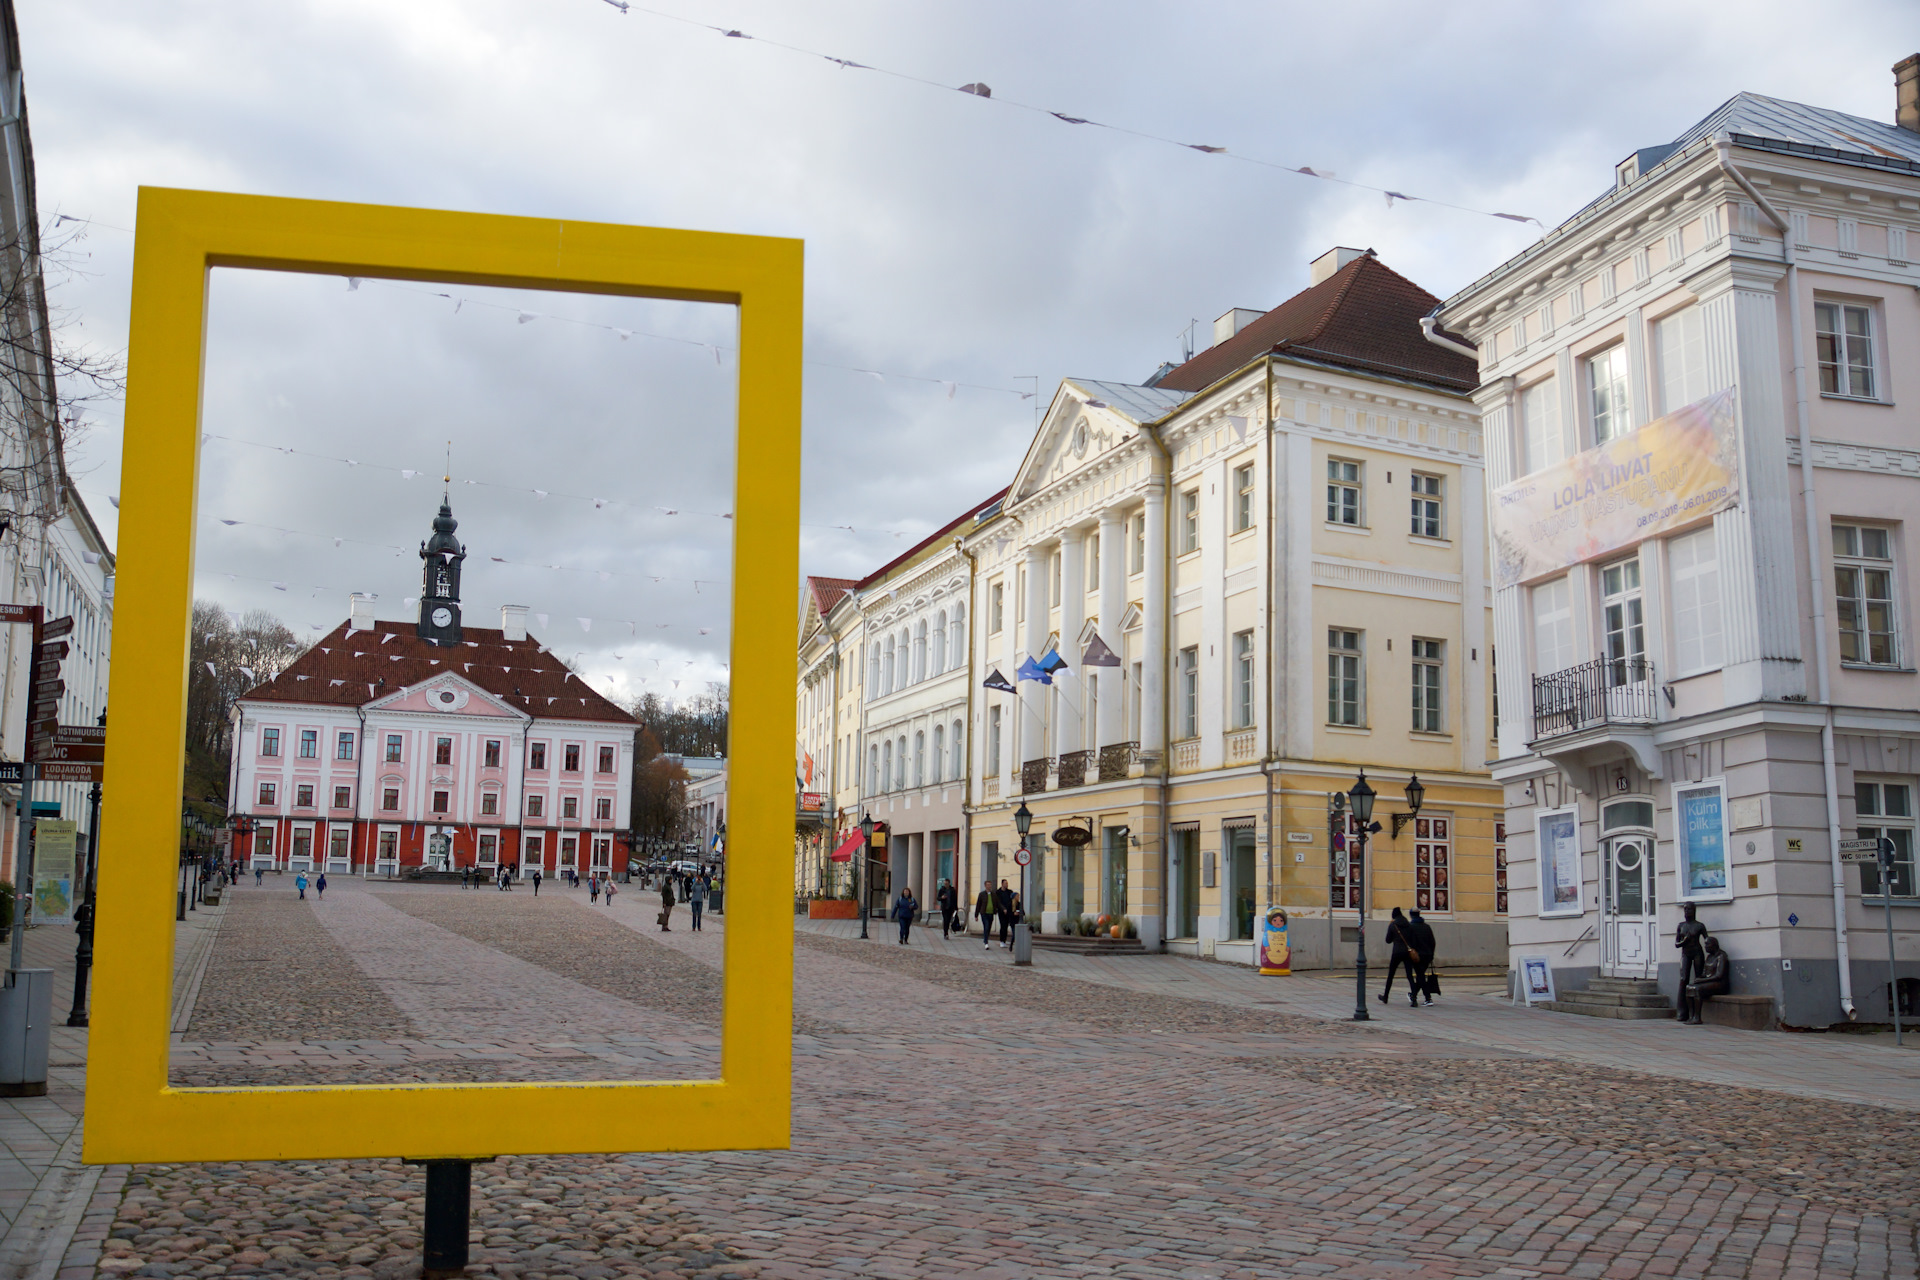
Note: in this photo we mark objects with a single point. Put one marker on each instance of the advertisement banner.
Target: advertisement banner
(54, 840)
(1557, 833)
(1667, 474)
(1276, 957)
(1703, 842)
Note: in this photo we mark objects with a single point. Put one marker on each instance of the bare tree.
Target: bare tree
(660, 816)
(227, 657)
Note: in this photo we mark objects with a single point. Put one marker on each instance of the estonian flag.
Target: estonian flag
(1031, 670)
(1051, 661)
(1098, 655)
(997, 681)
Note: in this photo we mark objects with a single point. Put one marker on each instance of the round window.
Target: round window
(1080, 439)
(447, 697)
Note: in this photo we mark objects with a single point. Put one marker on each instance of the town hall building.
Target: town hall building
(391, 746)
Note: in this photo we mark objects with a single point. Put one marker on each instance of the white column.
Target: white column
(1153, 667)
(1069, 735)
(1033, 709)
(1113, 603)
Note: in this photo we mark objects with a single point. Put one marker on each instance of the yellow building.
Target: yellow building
(1278, 548)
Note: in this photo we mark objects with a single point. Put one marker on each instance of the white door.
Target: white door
(1627, 911)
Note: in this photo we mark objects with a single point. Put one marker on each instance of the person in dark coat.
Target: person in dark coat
(666, 904)
(983, 908)
(1420, 938)
(949, 899)
(905, 908)
(1400, 956)
(1003, 908)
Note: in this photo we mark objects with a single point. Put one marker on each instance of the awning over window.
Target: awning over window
(845, 852)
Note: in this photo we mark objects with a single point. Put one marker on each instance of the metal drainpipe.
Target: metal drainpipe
(966, 798)
(1816, 588)
(359, 779)
(1152, 434)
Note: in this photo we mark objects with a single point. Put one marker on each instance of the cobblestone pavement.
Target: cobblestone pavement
(972, 1119)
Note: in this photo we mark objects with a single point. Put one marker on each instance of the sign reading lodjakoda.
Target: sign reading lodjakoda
(1668, 474)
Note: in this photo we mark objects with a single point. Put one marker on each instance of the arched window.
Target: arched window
(939, 643)
(958, 647)
(900, 779)
(886, 669)
(886, 767)
(908, 667)
(939, 752)
(873, 771)
(920, 759)
(959, 751)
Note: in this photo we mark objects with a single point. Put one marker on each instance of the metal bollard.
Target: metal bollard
(449, 1212)
(1022, 944)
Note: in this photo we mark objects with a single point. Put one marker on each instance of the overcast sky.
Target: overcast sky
(948, 238)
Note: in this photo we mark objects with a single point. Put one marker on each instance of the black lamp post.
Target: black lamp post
(1415, 794)
(83, 917)
(186, 856)
(1023, 823)
(859, 871)
(1361, 798)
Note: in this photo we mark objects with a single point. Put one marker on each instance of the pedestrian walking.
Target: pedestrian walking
(1003, 909)
(320, 887)
(949, 899)
(1420, 937)
(608, 890)
(593, 890)
(300, 883)
(697, 899)
(983, 911)
(666, 905)
(905, 908)
(536, 882)
(1400, 955)
(258, 872)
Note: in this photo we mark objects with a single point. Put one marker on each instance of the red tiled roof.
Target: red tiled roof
(1364, 317)
(930, 539)
(827, 592)
(517, 672)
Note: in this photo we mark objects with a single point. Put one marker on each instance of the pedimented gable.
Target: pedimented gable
(446, 694)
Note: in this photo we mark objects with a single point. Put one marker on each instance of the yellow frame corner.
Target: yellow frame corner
(133, 1115)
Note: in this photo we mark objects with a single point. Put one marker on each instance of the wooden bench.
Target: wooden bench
(1745, 1013)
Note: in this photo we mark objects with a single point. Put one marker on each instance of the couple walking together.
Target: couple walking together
(1412, 945)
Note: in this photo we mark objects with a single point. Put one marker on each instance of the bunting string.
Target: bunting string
(981, 90)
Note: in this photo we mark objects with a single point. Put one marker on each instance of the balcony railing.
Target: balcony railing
(1073, 769)
(1116, 759)
(1243, 745)
(1593, 694)
(1033, 776)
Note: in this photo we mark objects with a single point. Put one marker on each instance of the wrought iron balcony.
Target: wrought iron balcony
(1073, 769)
(1593, 695)
(1116, 759)
(1033, 775)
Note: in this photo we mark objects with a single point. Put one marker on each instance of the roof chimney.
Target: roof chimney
(1906, 92)
(513, 622)
(1233, 322)
(360, 611)
(1332, 260)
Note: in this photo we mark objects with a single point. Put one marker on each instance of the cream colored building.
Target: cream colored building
(1281, 542)
(827, 710)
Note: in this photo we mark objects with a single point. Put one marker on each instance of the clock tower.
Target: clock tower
(440, 580)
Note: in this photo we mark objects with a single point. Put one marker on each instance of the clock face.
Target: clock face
(441, 617)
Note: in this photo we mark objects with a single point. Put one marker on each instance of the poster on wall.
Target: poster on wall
(1665, 475)
(1557, 832)
(1703, 842)
(53, 869)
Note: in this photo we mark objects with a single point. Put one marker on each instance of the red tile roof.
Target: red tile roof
(827, 592)
(1364, 317)
(929, 540)
(337, 671)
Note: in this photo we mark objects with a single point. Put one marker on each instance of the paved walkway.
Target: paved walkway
(1840, 1067)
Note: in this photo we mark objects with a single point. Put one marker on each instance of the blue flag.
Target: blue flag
(1051, 661)
(997, 681)
(1031, 670)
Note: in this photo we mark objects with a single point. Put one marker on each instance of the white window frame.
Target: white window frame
(1849, 540)
(1552, 607)
(1429, 685)
(1693, 587)
(1189, 520)
(1137, 541)
(1609, 394)
(1543, 441)
(1838, 349)
(1346, 493)
(994, 719)
(381, 863)
(1428, 506)
(1346, 664)
(1243, 679)
(1627, 661)
(1190, 692)
(996, 607)
(1243, 497)
(1887, 826)
(1680, 354)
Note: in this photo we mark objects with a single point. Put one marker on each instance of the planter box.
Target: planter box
(832, 909)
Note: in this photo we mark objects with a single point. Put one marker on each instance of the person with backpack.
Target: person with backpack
(1421, 941)
(1400, 955)
(983, 911)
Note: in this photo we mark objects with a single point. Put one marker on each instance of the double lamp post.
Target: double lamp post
(1361, 798)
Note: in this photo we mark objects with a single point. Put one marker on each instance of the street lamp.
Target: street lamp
(1415, 794)
(1360, 796)
(186, 854)
(859, 870)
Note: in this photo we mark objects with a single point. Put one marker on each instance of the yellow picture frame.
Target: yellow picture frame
(133, 1114)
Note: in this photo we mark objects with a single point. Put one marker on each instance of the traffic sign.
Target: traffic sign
(57, 628)
(20, 613)
(1022, 856)
(57, 772)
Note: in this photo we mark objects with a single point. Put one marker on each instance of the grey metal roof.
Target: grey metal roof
(1141, 404)
(1764, 117)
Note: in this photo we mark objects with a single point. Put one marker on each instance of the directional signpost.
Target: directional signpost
(1881, 850)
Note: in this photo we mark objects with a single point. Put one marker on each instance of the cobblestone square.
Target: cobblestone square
(957, 1116)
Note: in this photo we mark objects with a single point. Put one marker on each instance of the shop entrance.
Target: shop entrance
(1627, 920)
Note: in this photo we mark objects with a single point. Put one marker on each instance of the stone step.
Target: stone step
(1624, 986)
(1089, 946)
(1604, 1010)
(1625, 1000)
